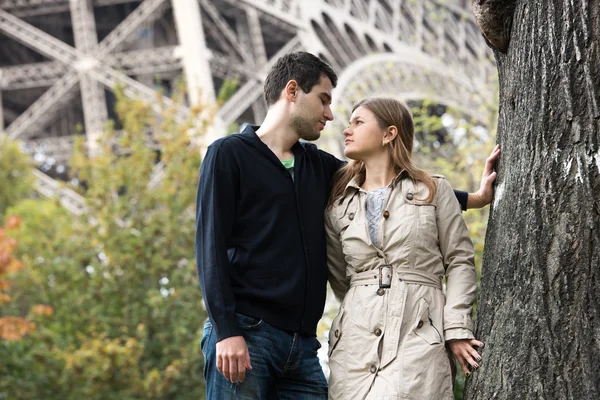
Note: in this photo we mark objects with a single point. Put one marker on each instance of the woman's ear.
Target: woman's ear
(291, 91)
(390, 134)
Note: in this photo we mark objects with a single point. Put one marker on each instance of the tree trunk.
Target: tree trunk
(539, 307)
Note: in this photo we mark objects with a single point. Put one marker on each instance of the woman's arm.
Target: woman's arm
(458, 255)
(457, 251)
(336, 263)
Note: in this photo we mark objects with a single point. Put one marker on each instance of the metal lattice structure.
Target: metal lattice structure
(60, 60)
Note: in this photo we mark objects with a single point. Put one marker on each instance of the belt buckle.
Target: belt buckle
(385, 276)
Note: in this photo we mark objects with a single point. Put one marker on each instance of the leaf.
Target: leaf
(14, 328)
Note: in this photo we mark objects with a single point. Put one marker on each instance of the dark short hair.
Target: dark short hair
(303, 67)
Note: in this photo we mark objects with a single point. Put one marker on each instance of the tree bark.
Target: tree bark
(539, 307)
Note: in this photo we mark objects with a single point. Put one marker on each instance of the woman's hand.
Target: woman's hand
(465, 354)
(485, 194)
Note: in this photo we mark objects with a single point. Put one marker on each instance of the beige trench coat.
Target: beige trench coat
(389, 343)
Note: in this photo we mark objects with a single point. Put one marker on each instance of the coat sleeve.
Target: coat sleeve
(458, 255)
(336, 263)
(215, 213)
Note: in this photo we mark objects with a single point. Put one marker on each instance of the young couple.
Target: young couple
(277, 218)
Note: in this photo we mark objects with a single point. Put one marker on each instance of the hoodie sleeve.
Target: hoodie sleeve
(462, 198)
(215, 214)
(457, 251)
(331, 163)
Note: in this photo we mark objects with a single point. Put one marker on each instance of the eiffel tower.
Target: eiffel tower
(60, 60)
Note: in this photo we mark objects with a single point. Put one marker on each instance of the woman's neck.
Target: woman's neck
(379, 172)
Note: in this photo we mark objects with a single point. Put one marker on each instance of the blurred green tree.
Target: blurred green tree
(127, 312)
(16, 179)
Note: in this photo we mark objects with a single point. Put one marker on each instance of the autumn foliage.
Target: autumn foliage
(12, 327)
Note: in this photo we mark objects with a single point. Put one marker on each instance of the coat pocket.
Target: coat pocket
(424, 327)
(335, 332)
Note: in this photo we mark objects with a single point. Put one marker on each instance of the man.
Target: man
(260, 242)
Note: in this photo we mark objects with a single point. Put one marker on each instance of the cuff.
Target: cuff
(227, 327)
(463, 198)
(457, 334)
(457, 320)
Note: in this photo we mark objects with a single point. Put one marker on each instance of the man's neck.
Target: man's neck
(277, 134)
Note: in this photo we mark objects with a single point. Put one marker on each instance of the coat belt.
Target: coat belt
(407, 275)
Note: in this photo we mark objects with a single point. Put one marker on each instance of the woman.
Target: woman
(394, 232)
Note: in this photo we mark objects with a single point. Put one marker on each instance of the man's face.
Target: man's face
(313, 110)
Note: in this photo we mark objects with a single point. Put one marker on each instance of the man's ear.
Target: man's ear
(291, 91)
(390, 133)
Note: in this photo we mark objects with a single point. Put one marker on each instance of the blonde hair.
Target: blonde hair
(389, 112)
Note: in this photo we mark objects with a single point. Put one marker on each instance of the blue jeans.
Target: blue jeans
(285, 365)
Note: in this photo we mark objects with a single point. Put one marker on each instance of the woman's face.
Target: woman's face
(363, 136)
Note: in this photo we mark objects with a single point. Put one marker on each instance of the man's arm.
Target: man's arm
(332, 163)
(215, 211)
(479, 199)
(485, 194)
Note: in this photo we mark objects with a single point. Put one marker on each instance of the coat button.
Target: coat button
(373, 369)
(420, 324)
(409, 196)
(386, 214)
(380, 292)
(351, 216)
(337, 333)
(377, 332)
